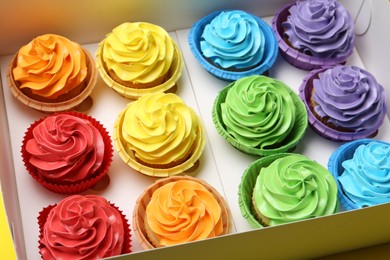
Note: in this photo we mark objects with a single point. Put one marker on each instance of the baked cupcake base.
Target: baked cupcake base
(64, 102)
(139, 210)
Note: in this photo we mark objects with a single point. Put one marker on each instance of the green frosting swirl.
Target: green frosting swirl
(293, 188)
(258, 111)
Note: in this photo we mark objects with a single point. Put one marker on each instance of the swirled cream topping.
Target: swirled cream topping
(50, 65)
(65, 149)
(258, 111)
(82, 227)
(183, 211)
(139, 52)
(350, 97)
(366, 177)
(160, 128)
(233, 39)
(321, 28)
(294, 188)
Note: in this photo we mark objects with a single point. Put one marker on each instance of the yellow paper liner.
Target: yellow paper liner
(144, 199)
(76, 187)
(51, 107)
(129, 158)
(173, 76)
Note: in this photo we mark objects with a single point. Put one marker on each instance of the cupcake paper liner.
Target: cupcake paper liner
(129, 157)
(78, 186)
(51, 107)
(43, 214)
(342, 153)
(305, 92)
(174, 75)
(143, 200)
(288, 144)
(270, 52)
(293, 56)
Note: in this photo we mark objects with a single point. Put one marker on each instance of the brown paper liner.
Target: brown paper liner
(76, 187)
(144, 199)
(43, 214)
(67, 101)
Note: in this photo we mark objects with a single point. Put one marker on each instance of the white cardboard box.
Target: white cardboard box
(221, 165)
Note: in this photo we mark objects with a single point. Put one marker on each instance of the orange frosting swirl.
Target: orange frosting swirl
(183, 211)
(50, 65)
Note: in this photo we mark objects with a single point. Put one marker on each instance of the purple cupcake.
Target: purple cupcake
(314, 33)
(344, 102)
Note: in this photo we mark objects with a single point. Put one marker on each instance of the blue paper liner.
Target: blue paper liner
(293, 56)
(270, 52)
(345, 152)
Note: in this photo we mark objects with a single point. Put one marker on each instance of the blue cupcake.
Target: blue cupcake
(362, 171)
(231, 44)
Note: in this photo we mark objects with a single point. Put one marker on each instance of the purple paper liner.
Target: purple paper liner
(345, 152)
(293, 56)
(305, 92)
(270, 52)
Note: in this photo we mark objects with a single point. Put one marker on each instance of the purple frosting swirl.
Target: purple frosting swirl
(350, 97)
(320, 28)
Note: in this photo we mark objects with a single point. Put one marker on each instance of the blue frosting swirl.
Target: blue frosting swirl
(366, 177)
(233, 39)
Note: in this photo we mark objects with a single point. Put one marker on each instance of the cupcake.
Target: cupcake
(259, 115)
(159, 135)
(283, 188)
(67, 152)
(139, 58)
(52, 73)
(177, 210)
(362, 171)
(231, 44)
(83, 227)
(343, 103)
(312, 34)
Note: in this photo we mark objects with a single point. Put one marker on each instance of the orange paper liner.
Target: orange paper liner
(144, 199)
(174, 74)
(54, 106)
(129, 158)
(44, 213)
(78, 186)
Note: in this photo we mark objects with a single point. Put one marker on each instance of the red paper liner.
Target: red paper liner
(144, 199)
(51, 107)
(78, 186)
(44, 213)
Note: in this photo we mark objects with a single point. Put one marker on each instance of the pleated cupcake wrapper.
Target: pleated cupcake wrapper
(293, 138)
(144, 199)
(174, 75)
(78, 186)
(129, 157)
(305, 93)
(270, 52)
(341, 154)
(55, 106)
(44, 213)
(293, 56)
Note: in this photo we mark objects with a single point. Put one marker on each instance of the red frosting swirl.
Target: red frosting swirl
(82, 227)
(65, 149)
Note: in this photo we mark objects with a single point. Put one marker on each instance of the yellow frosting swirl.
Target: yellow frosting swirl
(138, 52)
(183, 211)
(50, 65)
(160, 129)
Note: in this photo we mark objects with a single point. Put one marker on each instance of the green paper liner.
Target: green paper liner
(173, 76)
(129, 158)
(144, 199)
(43, 214)
(288, 144)
(51, 107)
(76, 187)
